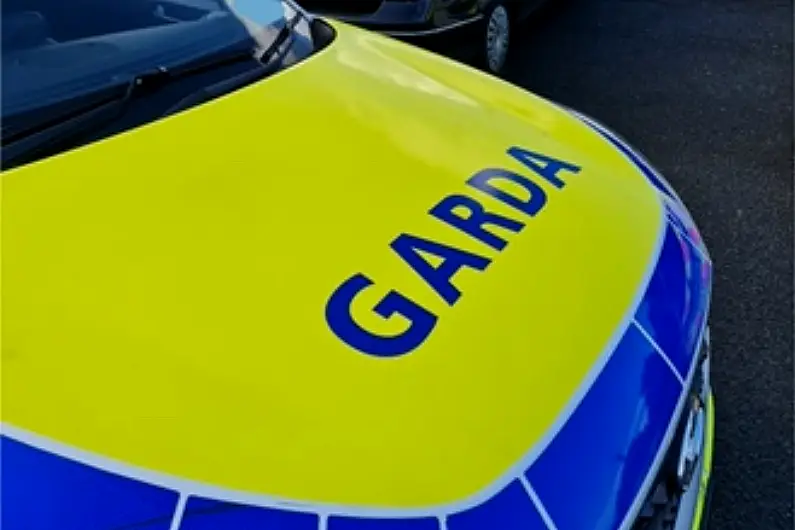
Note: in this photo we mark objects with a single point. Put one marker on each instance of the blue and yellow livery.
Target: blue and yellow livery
(365, 289)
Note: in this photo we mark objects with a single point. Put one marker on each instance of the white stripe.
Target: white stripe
(660, 351)
(542, 511)
(442, 522)
(179, 511)
(322, 522)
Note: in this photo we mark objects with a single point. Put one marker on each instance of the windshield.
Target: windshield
(57, 53)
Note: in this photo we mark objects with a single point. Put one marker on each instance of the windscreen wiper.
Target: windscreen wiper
(94, 109)
(270, 57)
(121, 91)
(110, 102)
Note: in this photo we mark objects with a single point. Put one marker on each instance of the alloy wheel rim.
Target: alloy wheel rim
(497, 38)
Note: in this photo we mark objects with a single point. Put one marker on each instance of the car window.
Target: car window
(57, 54)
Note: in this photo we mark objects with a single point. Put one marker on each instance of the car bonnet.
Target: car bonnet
(181, 306)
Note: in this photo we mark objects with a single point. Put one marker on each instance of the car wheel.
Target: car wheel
(497, 38)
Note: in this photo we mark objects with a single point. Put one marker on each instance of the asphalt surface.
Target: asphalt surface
(705, 90)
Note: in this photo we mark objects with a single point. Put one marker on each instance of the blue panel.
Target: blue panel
(160, 524)
(511, 509)
(675, 304)
(43, 491)
(592, 470)
(353, 523)
(203, 514)
(201, 504)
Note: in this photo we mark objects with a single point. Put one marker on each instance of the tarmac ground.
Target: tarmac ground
(704, 88)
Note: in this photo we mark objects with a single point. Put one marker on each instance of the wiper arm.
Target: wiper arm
(274, 50)
(27, 142)
(110, 103)
(113, 101)
(125, 90)
(270, 57)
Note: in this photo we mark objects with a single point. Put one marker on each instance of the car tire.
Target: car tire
(497, 35)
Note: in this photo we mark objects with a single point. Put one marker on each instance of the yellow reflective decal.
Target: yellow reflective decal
(165, 290)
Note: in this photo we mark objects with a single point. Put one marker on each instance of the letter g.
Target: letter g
(340, 320)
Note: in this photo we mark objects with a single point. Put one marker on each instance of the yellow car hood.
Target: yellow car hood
(166, 291)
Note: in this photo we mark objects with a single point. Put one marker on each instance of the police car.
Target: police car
(266, 271)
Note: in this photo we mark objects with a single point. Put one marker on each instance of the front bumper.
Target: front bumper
(703, 493)
(693, 509)
(692, 506)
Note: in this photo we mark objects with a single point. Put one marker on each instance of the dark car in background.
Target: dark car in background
(482, 27)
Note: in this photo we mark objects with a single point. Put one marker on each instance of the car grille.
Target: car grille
(661, 506)
(341, 7)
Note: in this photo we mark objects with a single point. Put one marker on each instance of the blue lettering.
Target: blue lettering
(477, 217)
(477, 223)
(340, 320)
(407, 247)
(549, 169)
(482, 181)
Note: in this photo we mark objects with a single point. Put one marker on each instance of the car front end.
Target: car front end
(676, 492)
(371, 290)
(680, 489)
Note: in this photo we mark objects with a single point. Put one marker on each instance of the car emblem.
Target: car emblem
(692, 443)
